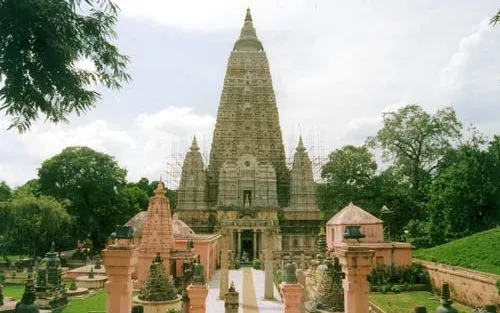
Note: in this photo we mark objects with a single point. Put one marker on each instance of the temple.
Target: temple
(247, 188)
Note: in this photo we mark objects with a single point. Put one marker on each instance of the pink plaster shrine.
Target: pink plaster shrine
(155, 231)
(385, 253)
(157, 235)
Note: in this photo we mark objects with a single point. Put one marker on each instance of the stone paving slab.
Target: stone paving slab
(215, 305)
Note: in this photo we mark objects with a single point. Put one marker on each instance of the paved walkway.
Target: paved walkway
(250, 284)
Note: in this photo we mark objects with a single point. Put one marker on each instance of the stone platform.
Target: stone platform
(84, 271)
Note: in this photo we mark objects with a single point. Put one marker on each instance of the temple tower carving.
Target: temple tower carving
(191, 192)
(302, 186)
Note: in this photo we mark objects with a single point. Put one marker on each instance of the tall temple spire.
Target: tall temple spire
(247, 158)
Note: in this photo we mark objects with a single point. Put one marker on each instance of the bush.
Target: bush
(396, 289)
(383, 275)
(256, 264)
(237, 264)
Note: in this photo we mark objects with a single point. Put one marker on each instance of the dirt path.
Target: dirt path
(249, 299)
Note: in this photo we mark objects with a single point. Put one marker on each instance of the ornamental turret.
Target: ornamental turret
(302, 186)
(191, 192)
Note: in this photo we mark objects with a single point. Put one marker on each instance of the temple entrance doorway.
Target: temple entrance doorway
(247, 246)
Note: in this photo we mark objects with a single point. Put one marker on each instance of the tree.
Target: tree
(92, 182)
(349, 175)
(41, 42)
(135, 199)
(495, 19)
(5, 191)
(464, 198)
(34, 223)
(415, 140)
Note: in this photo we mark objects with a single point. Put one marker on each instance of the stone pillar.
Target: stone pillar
(292, 291)
(356, 262)
(119, 259)
(197, 291)
(197, 296)
(268, 270)
(239, 244)
(231, 298)
(224, 272)
(254, 256)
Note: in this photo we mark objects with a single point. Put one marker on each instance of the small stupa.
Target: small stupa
(28, 303)
(49, 289)
(158, 294)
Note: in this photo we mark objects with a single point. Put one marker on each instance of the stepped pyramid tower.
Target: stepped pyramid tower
(247, 188)
(157, 233)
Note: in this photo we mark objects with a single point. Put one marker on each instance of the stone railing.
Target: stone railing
(373, 308)
(467, 286)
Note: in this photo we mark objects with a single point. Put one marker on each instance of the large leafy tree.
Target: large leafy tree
(92, 182)
(464, 198)
(416, 140)
(33, 223)
(41, 42)
(348, 176)
(5, 191)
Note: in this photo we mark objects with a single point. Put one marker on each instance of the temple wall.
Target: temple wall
(302, 215)
(469, 287)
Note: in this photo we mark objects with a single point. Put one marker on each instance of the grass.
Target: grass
(407, 301)
(13, 290)
(95, 302)
(480, 252)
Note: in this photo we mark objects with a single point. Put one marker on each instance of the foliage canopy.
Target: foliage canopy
(41, 42)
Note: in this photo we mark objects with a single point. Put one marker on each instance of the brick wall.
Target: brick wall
(469, 287)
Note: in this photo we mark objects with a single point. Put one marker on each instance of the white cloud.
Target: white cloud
(142, 148)
(336, 66)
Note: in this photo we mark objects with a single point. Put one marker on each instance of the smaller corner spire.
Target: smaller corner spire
(194, 145)
(248, 16)
(300, 146)
(160, 189)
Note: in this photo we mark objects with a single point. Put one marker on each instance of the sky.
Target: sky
(336, 66)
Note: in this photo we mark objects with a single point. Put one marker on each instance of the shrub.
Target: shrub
(237, 264)
(383, 275)
(256, 264)
(396, 289)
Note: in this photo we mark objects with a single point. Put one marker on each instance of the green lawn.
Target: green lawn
(407, 301)
(13, 290)
(95, 302)
(480, 252)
